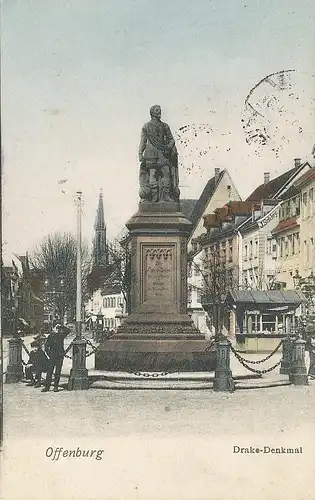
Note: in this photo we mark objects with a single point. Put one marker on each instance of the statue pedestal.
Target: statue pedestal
(158, 335)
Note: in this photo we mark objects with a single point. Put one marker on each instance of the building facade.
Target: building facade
(247, 238)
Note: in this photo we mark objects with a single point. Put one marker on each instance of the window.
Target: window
(290, 245)
(304, 202)
(199, 296)
(230, 250)
(311, 201)
(256, 250)
(293, 244)
(281, 247)
(246, 252)
(189, 270)
(189, 294)
(305, 252)
(250, 249)
(197, 270)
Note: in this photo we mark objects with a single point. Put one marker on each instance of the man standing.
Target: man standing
(54, 348)
(158, 160)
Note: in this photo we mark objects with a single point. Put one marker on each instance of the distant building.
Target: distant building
(218, 191)
(106, 297)
(295, 231)
(100, 251)
(108, 303)
(245, 234)
(21, 303)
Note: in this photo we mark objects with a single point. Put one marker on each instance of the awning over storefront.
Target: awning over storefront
(265, 300)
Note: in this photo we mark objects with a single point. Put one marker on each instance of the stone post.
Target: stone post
(15, 366)
(223, 380)
(287, 347)
(298, 374)
(78, 379)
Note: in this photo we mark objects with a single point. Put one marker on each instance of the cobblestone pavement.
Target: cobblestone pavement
(159, 445)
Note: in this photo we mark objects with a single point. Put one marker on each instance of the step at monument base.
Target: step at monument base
(155, 355)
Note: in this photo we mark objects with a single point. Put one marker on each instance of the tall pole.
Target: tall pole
(79, 259)
(79, 379)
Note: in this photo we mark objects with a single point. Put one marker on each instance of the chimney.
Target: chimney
(297, 162)
(266, 177)
(216, 175)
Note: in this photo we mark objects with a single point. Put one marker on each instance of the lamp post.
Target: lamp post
(15, 367)
(78, 379)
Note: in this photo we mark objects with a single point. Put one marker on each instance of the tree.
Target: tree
(55, 261)
(217, 278)
(118, 272)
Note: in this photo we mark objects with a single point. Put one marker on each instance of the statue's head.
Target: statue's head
(155, 111)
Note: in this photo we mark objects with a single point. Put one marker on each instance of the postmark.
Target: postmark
(279, 113)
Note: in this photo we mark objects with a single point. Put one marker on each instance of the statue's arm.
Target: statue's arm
(169, 139)
(143, 143)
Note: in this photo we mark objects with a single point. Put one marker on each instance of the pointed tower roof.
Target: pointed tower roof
(100, 220)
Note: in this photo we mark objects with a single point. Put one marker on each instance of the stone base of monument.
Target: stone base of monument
(158, 335)
(155, 355)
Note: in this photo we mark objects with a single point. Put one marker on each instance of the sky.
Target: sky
(79, 77)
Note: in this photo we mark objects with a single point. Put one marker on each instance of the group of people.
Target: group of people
(47, 358)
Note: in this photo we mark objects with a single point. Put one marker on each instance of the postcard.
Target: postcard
(158, 255)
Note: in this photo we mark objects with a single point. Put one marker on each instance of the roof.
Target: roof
(205, 197)
(285, 224)
(306, 178)
(272, 188)
(228, 228)
(290, 193)
(266, 299)
(110, 290)
(187, 206)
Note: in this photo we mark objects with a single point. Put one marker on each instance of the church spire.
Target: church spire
(100, 247)
(100, 221)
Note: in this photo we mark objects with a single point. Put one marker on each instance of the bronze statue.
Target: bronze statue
(158, 161)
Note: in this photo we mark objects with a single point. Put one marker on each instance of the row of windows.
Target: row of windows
(251, 250)
(291, 208)
(225, 250)
(111, 302)
(109, 322)
(289, 245)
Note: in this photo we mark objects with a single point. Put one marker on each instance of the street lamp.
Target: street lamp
(297, 279)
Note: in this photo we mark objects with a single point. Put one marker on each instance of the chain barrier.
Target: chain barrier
(260, 360)
(153, 374)
(210, 346)
(87, 354)
(67, 350)
(243, 362)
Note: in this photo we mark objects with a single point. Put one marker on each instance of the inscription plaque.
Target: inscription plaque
(158, 277)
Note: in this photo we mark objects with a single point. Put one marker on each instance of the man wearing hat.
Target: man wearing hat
(37, 363)
(54, 348)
